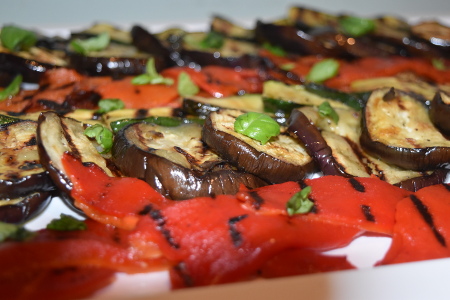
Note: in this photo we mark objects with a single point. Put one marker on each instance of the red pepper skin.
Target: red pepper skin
(422, 229)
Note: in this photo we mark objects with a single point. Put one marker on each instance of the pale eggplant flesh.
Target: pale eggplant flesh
(396, 128)
(175, 162)
(281, 159)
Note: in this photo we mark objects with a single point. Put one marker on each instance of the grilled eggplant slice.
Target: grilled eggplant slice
(57, 135)
(25, 185)
(281, 159)
(175, 162)
(396, 128)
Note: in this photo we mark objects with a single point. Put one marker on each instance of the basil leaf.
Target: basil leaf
(323, 70)
(355, 26)
(17, 39)
(287, 66)
(12, 89)
(102, 135)
(438, 64)
(276, 50)
(325, 110)
(213, 40)
(13, 232)
(186, 87)
(66, 223)
(107, 105)
(300, 203)
(257, 126)
(95, 43)
(151, 76)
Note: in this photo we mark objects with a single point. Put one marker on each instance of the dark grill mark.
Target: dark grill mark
(31, 142)
(156, 216)
(423, 210)
(30, 166)
(257, 200)
(72, 146)
(367, 213)
(390, 95)
(356, 185)
(234, 233)
(180, 269)
(141, 113)
(145, 210)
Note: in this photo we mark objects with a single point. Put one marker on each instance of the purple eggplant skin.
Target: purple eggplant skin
(148, 43)
(29, 207)
(415, 184)
(173, 180)
(116, 67)
(440, 112)
(307, 133)
(31, 70)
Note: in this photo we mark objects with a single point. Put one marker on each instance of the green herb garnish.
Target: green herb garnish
(325, 110)
(186, 87)
(151, 76)
(17, 39)
(95, 43)
(323, 70)
(107, 105)
(438, 64)
(300, 203)
(66, 223)
(257, 126)
(12, 89)
(13, 232)
(355, 26)
(213, 40)
(276, 50)
(162, 121)
(287, 66)
(102, 135)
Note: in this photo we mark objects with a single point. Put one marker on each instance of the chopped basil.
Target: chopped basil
(300, 203)
(107, 105)
(325, 110)
(12, 89)
(257, 126)
(151, 76)
(276, 50)
(13, 232)
(438, 64)
(162, 121)
(323, 70)
(17, 39)
(355, 26)
(95, 43)
(186, 87)
(102, 135)
(213, 40)
(287, 66)
(66, 223)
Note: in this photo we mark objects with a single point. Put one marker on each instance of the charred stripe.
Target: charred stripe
(156, 216)
(180, 269)
(257, 200)
(357, 185)
(367, 213)
(234, 233)
(423, 210)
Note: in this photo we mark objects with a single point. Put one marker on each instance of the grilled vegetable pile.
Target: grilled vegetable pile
(195, 152)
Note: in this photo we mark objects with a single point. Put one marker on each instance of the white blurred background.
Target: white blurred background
(80, 13)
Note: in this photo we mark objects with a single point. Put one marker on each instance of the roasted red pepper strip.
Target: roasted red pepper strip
(110, 200)
(422, 229)
(368, 203)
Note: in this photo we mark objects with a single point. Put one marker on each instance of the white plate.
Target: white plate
(421, 280)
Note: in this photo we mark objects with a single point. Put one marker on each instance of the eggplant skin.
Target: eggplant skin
(23, 208)
(440, 112)
(169, 175)
(31, 70)
(281, 159)
(397, 129)
(417, 183)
